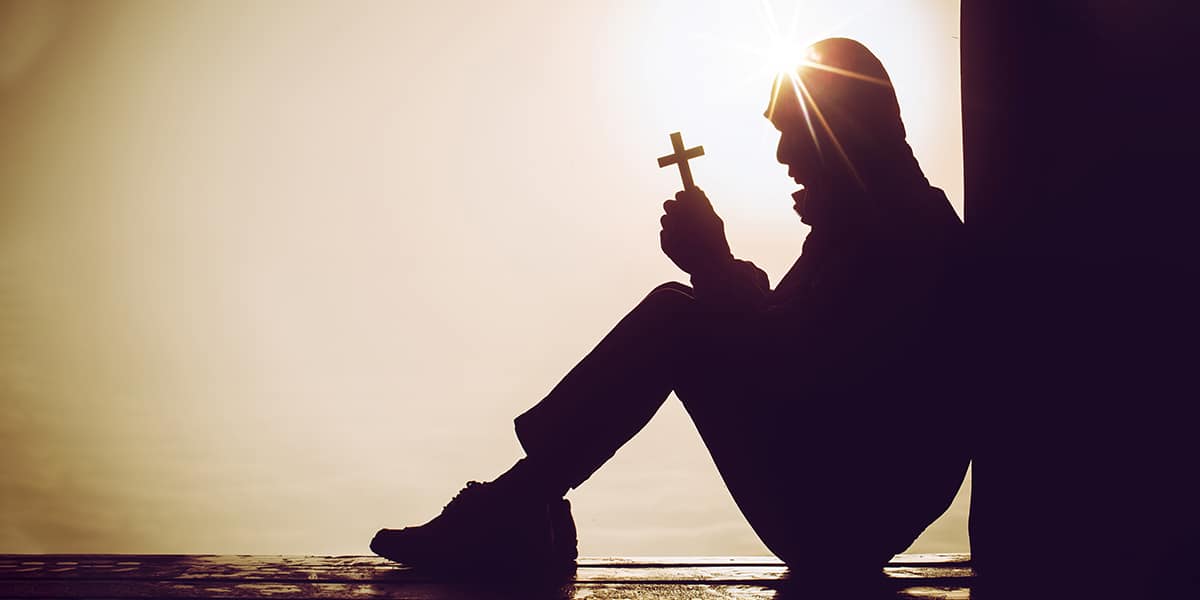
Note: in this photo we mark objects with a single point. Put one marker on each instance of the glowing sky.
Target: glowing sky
(275, 274)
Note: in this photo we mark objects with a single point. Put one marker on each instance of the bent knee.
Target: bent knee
(671, 295)
(669, 302)
(674, 287)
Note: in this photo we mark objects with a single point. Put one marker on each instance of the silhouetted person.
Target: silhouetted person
(821, 401)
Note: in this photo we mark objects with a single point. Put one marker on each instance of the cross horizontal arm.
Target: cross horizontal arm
(680, 157)
(688, 154)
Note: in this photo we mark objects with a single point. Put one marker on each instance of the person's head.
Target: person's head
(839, 123)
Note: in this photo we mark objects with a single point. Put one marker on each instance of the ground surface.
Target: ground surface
(338, 577)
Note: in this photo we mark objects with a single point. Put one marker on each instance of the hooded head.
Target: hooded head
(841, 136)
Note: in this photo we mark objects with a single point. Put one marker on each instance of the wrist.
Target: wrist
(714, 269)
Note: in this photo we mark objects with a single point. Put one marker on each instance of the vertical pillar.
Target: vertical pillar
(1078, 121)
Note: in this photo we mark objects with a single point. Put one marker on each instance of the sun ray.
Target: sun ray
(845, 73)
(778, 85)
(757, 51)
(794, 24)
(783, 51)
(768, 14)
(838, 28)
(808, 99)
(753, 78)
(782, 56)
(801, 92)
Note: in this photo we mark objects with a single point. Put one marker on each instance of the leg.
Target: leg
(809, 457)
(665, 344)
(521, 520)
(612, 393)
(727, 381)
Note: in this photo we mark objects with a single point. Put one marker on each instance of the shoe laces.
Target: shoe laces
(465, 493)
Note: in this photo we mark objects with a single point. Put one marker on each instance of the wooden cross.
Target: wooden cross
(680, 157)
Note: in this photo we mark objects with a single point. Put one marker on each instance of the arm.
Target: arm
(693, 237)
(733, 285)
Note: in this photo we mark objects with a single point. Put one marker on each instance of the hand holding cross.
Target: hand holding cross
(680, 157)
(692, 235)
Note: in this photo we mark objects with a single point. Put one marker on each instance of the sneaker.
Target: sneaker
(487, 529)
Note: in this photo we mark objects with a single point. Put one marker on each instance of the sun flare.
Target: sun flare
(788, 52)
(788, 49)
(785, 55)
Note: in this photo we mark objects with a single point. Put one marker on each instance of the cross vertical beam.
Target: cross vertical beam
(680, 157)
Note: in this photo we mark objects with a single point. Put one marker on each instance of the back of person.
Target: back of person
(880, 451)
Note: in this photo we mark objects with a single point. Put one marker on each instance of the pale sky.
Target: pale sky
(276, 274)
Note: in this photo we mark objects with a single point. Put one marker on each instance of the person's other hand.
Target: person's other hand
(692, 235)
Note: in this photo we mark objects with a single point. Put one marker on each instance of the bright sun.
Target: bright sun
(784, 55)
(782, 50)
(787, 48)
(729, 55)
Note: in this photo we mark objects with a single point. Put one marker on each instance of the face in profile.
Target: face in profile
(797, 151)
(799, 148)
(838, 119)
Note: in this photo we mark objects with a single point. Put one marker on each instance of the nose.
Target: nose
(780, 152)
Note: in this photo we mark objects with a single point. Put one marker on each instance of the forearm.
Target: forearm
(732, 284)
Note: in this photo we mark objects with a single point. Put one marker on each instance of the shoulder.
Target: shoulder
(923, 218)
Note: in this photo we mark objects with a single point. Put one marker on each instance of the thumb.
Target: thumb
(694, 196)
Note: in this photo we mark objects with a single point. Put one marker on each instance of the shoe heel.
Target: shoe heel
(564, 537)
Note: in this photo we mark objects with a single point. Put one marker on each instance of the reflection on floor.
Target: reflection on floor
(338, 577)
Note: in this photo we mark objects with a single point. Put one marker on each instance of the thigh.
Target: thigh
(748, 417)
(789, 451)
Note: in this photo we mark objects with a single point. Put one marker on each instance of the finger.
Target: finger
(669, 206)
(667, 242)
(693, 197)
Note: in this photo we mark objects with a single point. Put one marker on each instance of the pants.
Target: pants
(798, 490)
